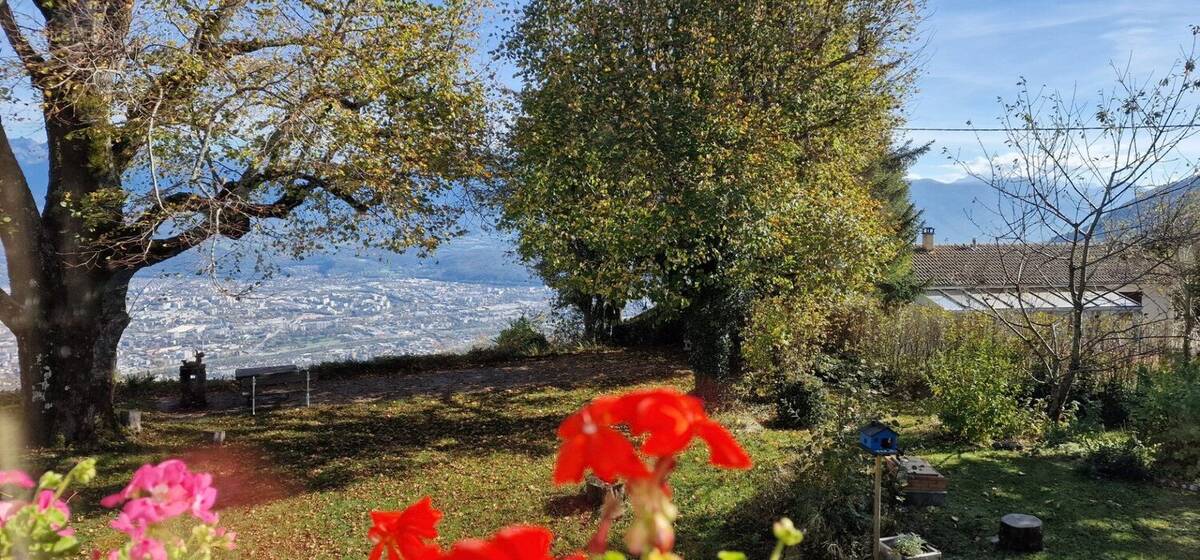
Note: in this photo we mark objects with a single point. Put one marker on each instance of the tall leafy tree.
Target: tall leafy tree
(173, 123)
(890, 188)
(707, 154)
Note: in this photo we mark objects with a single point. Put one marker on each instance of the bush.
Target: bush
(521, 338)
(1123, 459)
(1115, 401)
(906, 342)
(802, 403)
(980, 392)
(1166, 414)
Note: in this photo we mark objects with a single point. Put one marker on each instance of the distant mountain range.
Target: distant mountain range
(960, 212)
(480, 256)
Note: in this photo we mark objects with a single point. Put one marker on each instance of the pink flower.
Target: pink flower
(160, 492)
(8, 510)
(15, 478)
(143, 548)
(230, 536)
(46, 501)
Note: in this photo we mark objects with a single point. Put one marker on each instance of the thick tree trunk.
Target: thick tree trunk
(714, 334)
(68, 350)
(600, 316)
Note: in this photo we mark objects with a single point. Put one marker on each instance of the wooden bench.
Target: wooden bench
(265, 382)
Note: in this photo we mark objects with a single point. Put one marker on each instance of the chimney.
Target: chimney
(927, 238)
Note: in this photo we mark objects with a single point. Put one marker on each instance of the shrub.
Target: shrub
(906, 342)
(1166, 414)
(1115, 401)
(980, 392)
(802, 403)
(522, 338)
(1123, 459)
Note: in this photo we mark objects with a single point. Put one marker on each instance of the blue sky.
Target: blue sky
(976, 50)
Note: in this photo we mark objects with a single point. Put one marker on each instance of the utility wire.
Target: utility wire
(1048, 128)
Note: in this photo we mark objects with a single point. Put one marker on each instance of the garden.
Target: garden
(303, 481)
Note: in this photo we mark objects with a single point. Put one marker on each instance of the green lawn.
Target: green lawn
(298, 483)
(1083, 518)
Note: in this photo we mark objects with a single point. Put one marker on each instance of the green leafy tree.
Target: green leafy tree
(890, 188)
(177, 123)
(707, 154)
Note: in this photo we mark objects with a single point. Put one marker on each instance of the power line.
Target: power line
(1049, 128)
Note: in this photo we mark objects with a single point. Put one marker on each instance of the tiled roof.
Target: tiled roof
(991, 264)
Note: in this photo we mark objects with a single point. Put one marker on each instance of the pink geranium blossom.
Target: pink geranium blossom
(15, 478)
(160, 492)
(143, 548)
(46, 500)
(8, 509)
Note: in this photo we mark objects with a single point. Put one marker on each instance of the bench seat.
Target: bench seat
(269, 383)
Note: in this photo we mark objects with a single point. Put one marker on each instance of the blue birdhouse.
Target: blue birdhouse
(878, 439)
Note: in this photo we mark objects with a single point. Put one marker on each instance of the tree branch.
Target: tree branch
(10, 310)
(32, 61)
(174, 85)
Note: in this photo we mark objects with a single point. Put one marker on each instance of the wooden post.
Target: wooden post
(307, 389)
(253, 387)
(878, 499)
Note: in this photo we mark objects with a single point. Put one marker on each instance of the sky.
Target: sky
(972, 53)
(975, 51)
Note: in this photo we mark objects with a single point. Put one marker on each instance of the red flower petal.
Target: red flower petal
(403, 534)
(571, 461)
(518, 542)
(524, 542)
(611, 455)
(723, 450)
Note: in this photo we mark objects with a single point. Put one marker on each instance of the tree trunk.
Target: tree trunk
(1074, 364)
(67, 347)
(599, 317)
(714, 334)
(1189, 323)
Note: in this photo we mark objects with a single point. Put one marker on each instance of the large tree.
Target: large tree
(890, 187)
(174, 123)
(704, 154)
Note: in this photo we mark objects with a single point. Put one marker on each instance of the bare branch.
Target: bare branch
(30, 58)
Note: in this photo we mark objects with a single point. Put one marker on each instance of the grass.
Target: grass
(298, 482)
(1083, 518)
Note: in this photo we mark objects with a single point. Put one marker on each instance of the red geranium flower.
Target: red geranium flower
(403, 534)
(589, 441)
(519, 542)
(671, 419)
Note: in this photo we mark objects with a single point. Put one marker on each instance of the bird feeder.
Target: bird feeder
(878, 440)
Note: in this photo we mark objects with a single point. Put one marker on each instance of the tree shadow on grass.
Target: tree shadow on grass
(329, 446)
(1083, 518)
(291, 450)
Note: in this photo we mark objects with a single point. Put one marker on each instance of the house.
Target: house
(1030, 276)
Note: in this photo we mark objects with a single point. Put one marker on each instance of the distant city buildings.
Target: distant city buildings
(304, 320)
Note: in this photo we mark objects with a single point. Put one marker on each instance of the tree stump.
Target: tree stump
(596, 490)
(218, 437)
(1020, 533)
(133, 420)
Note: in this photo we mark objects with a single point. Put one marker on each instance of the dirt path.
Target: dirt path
(595, 368)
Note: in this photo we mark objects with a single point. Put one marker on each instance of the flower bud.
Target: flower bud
(787, 533)
(664, 533)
